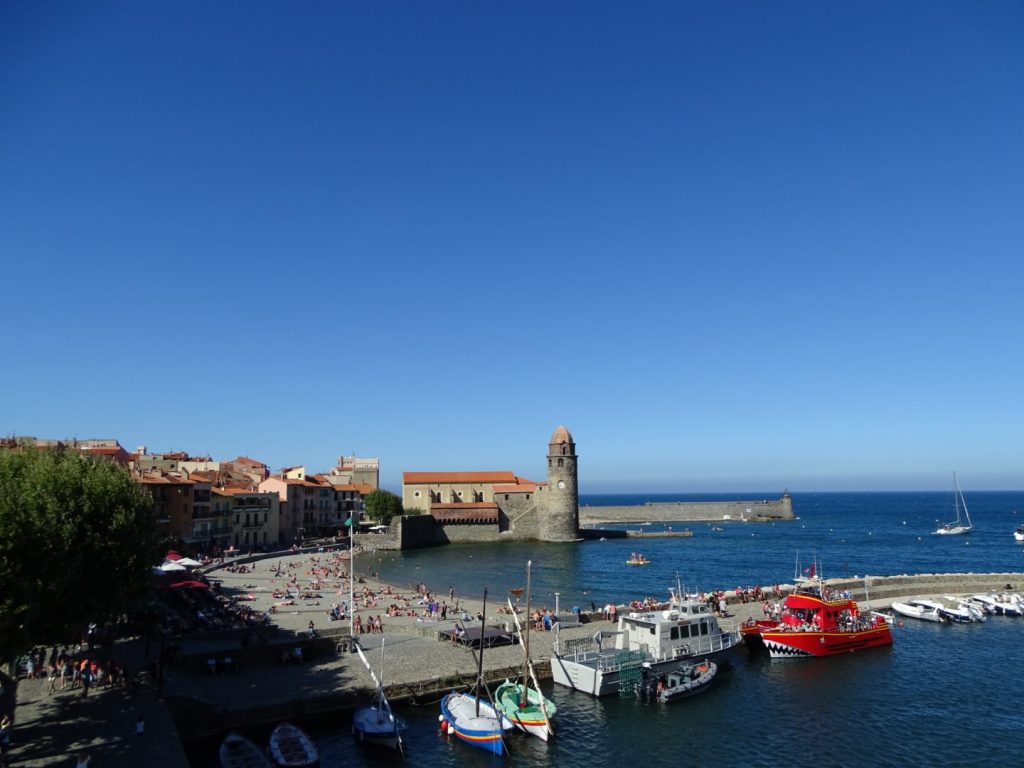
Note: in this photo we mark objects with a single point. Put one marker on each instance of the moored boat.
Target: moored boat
(638, 559)
(527, 708)
(375, 723)
(236, 751)
(470, 719)
(474, 721)
(524, 705)
(657, 639)
(680, 683)
(291, 747)
(925, 610)
(814, 624)
(999, 606)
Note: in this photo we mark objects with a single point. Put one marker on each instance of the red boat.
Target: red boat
(813, 623)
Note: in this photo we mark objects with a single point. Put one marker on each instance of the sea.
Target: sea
(940, 696)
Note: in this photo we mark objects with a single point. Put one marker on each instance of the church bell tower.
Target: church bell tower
(560, 520)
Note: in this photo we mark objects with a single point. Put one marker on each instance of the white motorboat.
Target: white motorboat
(657, 640)
(926, 610)
(999, 606)
(961, 612)
(1018, 534)
(962, 524)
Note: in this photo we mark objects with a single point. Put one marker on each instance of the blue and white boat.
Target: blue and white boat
(475, 722)
(470, 719)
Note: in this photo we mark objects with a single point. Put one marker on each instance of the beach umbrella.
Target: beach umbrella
(190, 585)
(172, 555)
(189, 562)
(172, 566)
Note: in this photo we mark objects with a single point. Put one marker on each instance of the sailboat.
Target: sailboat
(524, 705)
(962, 524)
(376, 723)
(473, 721)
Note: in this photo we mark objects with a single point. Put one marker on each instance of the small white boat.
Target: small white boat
(962, 612)
(236, 751)
(291, 747)
(375, 723)
(682, 682)
(962, 524)
(926, 610)
(1018, 534)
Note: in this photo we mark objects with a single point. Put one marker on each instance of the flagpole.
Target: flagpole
(351, 578)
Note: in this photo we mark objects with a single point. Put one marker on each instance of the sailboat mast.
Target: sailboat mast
(351, 577)
(526, 660)
(480, 659)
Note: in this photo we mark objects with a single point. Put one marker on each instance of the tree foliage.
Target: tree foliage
(381, 506)
(77, 543)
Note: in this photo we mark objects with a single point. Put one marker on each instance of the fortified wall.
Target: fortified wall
(690, 511)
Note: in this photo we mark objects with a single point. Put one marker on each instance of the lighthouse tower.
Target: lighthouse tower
(560, 519)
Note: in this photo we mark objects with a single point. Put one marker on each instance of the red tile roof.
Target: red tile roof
(425, 478)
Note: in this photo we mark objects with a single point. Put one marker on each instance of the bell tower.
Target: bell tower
(560, 519)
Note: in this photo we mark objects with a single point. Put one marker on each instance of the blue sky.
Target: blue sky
(730, 245)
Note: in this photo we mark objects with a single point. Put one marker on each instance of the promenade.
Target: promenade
(52, 730)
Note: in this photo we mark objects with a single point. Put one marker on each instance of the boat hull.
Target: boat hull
(236, 751)
(789, 644)
(531, 717)
(600, 673)
(291, 747)
(373, 724)
(483, 731)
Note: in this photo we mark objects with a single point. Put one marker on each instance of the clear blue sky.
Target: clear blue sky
(730, 245)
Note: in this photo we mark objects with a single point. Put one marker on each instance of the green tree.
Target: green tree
(381, 506)
(77, 543)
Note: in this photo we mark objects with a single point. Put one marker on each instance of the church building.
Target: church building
(499, 505)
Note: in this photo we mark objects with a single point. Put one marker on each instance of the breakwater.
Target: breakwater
(690, 511)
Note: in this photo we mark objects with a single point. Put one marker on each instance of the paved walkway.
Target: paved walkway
(53, 729)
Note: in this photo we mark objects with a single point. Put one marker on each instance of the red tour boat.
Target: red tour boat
(813, 623)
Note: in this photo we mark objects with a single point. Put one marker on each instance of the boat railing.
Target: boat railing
(708, 644)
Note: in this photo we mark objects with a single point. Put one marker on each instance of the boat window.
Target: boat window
(704, 628)
(674, 634)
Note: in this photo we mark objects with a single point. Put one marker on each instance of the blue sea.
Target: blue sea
(941, 696)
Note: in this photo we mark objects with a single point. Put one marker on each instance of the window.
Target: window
(417, 494)
(561, 462)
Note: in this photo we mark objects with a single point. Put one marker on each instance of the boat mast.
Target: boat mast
(351, 577)
(523, 696)
(480, 659)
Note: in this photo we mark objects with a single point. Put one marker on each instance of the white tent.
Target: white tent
(170, 565)
(188, 562)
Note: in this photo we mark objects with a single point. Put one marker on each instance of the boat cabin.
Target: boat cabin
(686, 629)
(809, 611)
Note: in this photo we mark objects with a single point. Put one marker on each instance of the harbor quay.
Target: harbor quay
(266, 683)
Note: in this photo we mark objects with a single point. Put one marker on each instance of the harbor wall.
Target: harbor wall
(690, 511)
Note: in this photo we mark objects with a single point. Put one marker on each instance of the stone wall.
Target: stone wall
(522, 515)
